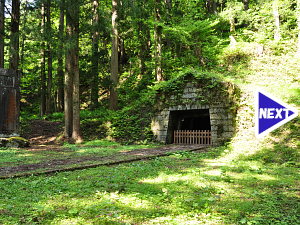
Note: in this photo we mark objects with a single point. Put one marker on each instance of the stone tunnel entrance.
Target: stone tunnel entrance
(203, 108)
(189, 126)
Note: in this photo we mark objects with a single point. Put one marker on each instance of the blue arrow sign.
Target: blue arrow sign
(271, 113)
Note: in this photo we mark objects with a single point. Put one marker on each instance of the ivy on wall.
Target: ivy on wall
(210, 86)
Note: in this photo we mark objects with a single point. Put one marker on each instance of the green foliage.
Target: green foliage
(132, 123)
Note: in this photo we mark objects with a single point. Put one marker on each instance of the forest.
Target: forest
(102, 55)
(91, 72)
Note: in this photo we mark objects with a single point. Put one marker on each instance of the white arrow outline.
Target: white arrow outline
(294, 110)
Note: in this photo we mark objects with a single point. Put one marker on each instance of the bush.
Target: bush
(132, 123)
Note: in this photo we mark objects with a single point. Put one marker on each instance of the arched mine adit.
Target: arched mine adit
(195, 108)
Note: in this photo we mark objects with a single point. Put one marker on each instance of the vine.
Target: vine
(211, 89)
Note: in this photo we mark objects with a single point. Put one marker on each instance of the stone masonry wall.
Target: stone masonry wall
(221, 115)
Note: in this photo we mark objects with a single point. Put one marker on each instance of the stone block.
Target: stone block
(162, 132)
(172, 97)
(185, 90)
(214, 128)
(227, 134)
(173, 108)
(189, 85)
(227, 122)
(217, 104)
(161, 138)
(189, 95)
(230, 128)
(223, 116)
(212, 110)
(165, 112)
(225, 127)
(214, 134)
(194, 106)
(215, 116)
(220, 110)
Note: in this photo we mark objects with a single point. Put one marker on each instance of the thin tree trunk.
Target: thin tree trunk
(60, 71)
(298, 45)
(222, 4)
(141, 48)
(95, 61)
(215, 6)
(2, 33)
(159, 52)
(158, 49)
(49, 83)
(232, 28)
(209, 8)
(246, 5)
(168, 22)
(114, 58)
(23, 36)
(69, 74)
(277, 35)
(14, 41)
(43, 75)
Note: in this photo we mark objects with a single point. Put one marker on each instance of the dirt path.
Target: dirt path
(69, 164)
(43, 137)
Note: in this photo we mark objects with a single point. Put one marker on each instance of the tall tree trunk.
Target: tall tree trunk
(60, 71)
(158, 47)
(49, 83)
(246, 4)
(69, 74)
(168, 21)
(209, 6)
(76, 135)
(298, 10)
(141, 48)
(114, 58)
(277, 35)
(121, 45)
(169, 9)
(222, 5)
(23, 36)
(43, 74)
(14, 41)
(95, 61)
(72, 102)
(2, 33)
(215, 6)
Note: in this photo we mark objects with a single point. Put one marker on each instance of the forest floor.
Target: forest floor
(48, 154)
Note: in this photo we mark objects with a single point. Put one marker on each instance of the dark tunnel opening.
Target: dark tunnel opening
(197, 119)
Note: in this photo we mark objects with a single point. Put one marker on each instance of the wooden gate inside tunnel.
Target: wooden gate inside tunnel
(196, 137)
(189, 127)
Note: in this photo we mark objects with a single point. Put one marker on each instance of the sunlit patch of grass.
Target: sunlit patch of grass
(101, 143)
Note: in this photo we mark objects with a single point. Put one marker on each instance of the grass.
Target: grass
(96, 148)
(182, 188)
